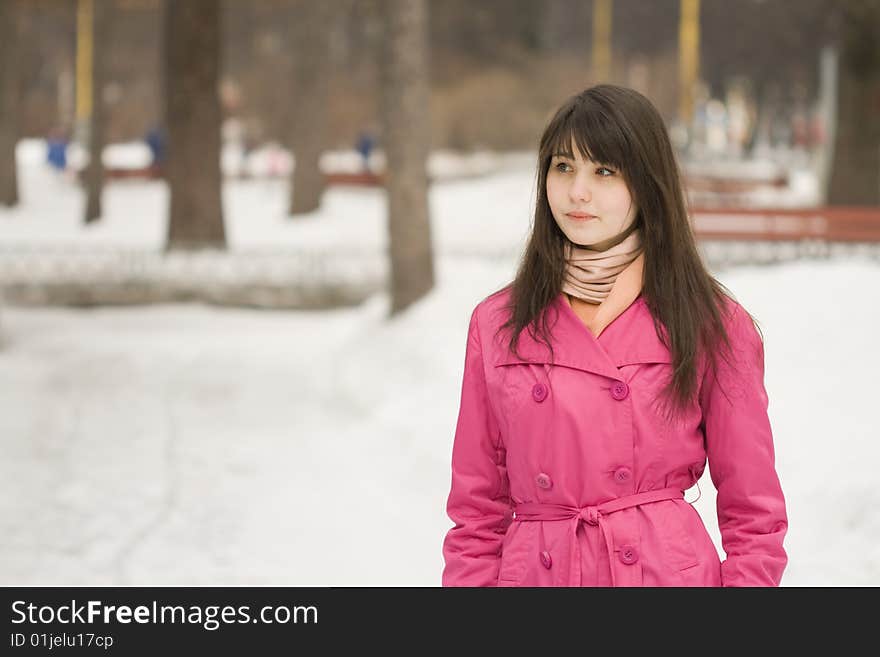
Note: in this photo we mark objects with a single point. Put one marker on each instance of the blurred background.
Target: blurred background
(240, 242)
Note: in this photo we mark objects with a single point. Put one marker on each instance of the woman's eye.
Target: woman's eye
(561, 164)
(600, 169)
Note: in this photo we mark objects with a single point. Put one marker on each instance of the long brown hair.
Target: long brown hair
(620, 127)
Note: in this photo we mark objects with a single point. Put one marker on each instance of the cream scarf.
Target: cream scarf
(590, 275)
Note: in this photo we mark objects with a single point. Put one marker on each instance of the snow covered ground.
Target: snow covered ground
(186, 444)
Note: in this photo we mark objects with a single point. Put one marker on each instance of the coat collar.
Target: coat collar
(625, 333)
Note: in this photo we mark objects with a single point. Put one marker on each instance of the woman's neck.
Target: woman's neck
(584, 310)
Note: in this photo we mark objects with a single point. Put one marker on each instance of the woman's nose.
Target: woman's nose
(580, 190)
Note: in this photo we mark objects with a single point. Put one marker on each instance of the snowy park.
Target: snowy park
(197, 444)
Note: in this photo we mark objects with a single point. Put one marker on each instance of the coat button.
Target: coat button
(539, 392)
(628, 554)
(619, 390)
(622, 474)
(543, 480)
(546, 560)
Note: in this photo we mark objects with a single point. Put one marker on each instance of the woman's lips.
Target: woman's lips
(580, 216)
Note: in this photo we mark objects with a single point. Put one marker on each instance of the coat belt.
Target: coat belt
(592, 515)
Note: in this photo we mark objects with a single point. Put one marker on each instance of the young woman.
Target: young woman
(577, 436)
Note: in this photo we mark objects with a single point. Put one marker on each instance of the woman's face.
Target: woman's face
(577, 187)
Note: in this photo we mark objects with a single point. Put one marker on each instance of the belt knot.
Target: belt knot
(590, 515)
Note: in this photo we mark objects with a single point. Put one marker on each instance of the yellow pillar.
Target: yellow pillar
(601, 40)
(84, 36)
(688, 57)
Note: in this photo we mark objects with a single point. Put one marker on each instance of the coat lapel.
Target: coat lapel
(623, 322)
(573, 345)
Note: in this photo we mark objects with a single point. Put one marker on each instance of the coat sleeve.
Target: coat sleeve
(479, 501)
(751, 510)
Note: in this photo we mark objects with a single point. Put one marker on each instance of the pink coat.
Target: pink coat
(565, 474)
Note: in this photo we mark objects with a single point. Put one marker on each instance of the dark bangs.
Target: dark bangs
(595, 134)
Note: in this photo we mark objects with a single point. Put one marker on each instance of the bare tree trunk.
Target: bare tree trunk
(311, 65)
(158, 131)
(406, 130)
(855, 172)
(192, 62)
(94, 174)
(9, 104)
